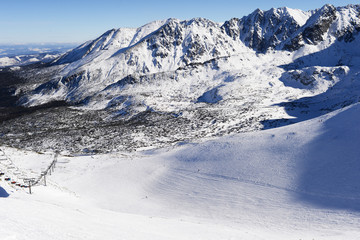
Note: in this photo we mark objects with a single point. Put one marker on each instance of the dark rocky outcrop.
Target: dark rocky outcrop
(312, 32)
(262, 30)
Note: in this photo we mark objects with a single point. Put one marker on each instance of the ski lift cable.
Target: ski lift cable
(15, 173)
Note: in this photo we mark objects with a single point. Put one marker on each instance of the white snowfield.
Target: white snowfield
(178, 67)
(301, 181)
(20, 60)
(296, 182)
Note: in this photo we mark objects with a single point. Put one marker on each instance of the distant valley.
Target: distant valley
(175, 81)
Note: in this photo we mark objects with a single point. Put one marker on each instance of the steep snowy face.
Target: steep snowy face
(118, 54)
(108, 39)
(178, 42)
(314, 29)
(113, 39)
(168, 45)
(326, 24)
(347, 24)
(173, 45)
(262, 30)
(187, 41)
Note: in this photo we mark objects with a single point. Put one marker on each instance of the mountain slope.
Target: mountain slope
(262, 30)
(295, 182)
(172, 45)
(176, 80)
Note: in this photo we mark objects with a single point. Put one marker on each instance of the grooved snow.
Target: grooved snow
(180, 83)
(294, 182)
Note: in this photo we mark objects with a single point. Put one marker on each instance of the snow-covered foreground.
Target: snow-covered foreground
(296, 182)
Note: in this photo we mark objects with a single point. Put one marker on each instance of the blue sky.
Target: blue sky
(39, 21)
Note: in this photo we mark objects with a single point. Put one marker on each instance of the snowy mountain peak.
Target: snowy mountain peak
(348, 23)
(230, 77)
(201, 22)
(298, 15)
(262, 30)
(328, 23)
(114, 39)
(175, 80)
(277, 28)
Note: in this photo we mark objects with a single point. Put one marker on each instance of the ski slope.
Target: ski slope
(296, 182)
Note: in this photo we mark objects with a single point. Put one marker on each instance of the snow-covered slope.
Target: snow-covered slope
(199, 78)
(262, 30)
(146, 51)
(182, 84)
(27, 59)
(114, 39)
(165, 50)
(19, 55)
(295, 182)
(325, 26)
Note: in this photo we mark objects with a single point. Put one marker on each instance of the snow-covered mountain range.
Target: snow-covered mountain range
(20, 60)
(184, 85)
(24, 54)
(173, 80)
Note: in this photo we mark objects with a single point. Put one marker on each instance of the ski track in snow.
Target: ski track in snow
(245, 186)
(296, 182)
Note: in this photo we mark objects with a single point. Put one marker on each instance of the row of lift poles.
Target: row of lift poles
(34, 181)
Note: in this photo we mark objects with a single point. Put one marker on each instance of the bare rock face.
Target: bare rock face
(262, 30)
(167, 37)
(312, 32)
(352, 28)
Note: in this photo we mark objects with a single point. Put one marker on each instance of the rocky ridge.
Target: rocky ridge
(171, 81)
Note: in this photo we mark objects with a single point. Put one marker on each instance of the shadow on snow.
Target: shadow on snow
(330, 170)
(342, 94)
(3, 193)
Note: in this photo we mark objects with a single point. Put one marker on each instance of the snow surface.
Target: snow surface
(296, 182)
(178, 67)
(300, 16)
(21, 60)
(19, 55)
